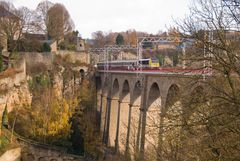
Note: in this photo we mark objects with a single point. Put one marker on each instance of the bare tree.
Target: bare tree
(58, 22)
(204, 123)
(99, 38)
(212, 118)
(40, 20)
(13, 23)
(10, 24)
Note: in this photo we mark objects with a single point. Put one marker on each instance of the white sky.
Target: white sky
(119, 15)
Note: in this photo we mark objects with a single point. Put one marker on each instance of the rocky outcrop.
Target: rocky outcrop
(11, 155)
(33, 151)
(14, 87)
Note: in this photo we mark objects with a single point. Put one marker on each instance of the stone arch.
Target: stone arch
(136, 95)
(124, 114)
(153, 95)
(98, 84)
(135, 116)
(82, 73)
(197, 96)
(197, 90)
(125, 93)
(113, 112)
(196, 87)
(152, 121)
(195, 113)
(172, 96)
(115, 89)
(170, 124)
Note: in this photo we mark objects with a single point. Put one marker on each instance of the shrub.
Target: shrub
(37, 68)
(62, 45)
(160, 57)
(46, 47)
(71, 47)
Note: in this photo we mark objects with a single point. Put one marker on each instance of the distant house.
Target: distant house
(41, 38)
(81, 45)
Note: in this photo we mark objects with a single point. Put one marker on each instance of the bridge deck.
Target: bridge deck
(162, 71)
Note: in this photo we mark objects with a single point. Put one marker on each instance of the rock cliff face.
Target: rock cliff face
(14, 87)
(11, 155)
(15, 91)
(18, 95)
(64, 85)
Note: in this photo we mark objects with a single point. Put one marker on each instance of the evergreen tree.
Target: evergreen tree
(119, 39)
(46, 47)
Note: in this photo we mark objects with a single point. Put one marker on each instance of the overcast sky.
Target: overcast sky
(119, 15)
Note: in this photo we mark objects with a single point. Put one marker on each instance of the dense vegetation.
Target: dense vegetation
(63, 118)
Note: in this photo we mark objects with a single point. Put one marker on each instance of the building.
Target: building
(80, 44)
(41, 39)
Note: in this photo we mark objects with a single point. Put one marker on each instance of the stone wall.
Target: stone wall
(80, 56)
(47, 58)
(35, 58)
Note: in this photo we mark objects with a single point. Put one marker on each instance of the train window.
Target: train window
(144, 62)
(155, 61)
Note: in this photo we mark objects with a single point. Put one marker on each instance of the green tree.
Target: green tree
(160, 57)
(119, 39)
(46, 47)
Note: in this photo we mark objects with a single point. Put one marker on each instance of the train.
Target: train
(129, 64)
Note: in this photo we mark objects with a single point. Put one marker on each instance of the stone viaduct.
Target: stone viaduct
(128, 111)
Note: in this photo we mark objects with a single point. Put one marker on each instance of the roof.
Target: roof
(40, 37)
